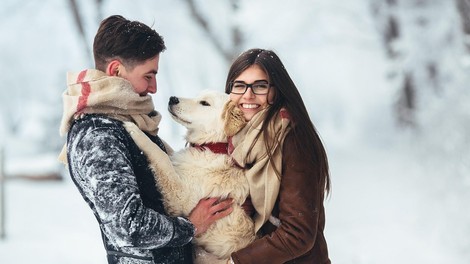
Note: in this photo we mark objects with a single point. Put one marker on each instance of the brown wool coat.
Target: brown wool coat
(300, 238)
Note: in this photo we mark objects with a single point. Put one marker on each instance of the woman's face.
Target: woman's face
(249, 102)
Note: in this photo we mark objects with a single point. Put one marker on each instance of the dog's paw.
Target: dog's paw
(233, 117)
(139, 137)
(131, 128)
(147, 146)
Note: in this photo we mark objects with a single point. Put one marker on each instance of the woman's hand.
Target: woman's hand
(207, 211)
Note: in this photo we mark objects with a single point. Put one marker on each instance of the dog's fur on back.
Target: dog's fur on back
(195, 173)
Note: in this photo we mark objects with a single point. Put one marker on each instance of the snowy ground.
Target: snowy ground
(48, 222)
(385, 208)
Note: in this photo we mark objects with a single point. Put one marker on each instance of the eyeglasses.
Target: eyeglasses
(258, 87)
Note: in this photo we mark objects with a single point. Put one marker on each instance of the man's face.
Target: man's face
(142, 76)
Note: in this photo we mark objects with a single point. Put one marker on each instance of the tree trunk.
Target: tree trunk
(80, 28)
(228, 53)
(464, 10)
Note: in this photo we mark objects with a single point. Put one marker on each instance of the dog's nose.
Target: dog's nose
(173, 100)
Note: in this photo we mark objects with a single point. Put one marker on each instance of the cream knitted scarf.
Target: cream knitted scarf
(94, 92)
(262, 178)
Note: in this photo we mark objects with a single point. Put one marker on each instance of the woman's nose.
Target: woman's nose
(249, 93)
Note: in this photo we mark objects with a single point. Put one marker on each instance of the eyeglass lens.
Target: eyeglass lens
(258, 87)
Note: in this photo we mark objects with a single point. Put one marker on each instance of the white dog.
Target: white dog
(200, 171)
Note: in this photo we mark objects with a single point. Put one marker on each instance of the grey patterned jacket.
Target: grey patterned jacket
(113, 177)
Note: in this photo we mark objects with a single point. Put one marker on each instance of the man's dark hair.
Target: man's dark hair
(131, 42)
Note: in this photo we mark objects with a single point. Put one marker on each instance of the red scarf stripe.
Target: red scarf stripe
(81, 76)
(86, 89)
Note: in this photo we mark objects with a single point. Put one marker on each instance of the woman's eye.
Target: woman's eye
(204, 103)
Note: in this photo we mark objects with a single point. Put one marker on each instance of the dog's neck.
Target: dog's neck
(217, 147)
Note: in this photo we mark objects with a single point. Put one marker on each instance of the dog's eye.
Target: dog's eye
(204, 103)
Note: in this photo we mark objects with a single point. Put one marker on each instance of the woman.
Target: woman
(285, 162)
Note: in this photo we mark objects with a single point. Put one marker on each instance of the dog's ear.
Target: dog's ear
(233, 117)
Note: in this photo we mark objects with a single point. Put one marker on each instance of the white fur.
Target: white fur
(193, 174)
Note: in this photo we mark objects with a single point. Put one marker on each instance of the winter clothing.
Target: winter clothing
(298, 236)
(92, 91)
(261, 175)
(113, 175)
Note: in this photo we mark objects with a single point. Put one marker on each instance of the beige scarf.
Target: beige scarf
(262, 178)
(94, 92)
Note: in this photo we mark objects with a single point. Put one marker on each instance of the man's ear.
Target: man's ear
(234, 119)
(113, 68)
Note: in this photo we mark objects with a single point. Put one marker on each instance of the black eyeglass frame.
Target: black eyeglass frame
(250, 85)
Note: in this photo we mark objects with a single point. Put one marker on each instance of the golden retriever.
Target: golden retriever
(199, 171)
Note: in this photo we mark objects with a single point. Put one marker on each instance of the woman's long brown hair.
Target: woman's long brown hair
(307, 141)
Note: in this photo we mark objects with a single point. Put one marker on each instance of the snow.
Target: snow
(399, 195)
(385, 209)
(48, 222)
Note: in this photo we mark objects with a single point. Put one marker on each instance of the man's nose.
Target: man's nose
(152, 88)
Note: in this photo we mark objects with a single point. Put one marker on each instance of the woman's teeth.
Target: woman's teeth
(250, 106)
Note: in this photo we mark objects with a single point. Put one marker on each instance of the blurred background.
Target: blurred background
(385, 83)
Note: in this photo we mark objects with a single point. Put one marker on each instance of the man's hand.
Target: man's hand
(207, 211)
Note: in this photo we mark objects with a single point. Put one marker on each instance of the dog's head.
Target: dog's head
(208, 118)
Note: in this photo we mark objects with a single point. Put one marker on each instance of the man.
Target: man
(109, 170)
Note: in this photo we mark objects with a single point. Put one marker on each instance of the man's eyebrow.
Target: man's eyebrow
(153, 71)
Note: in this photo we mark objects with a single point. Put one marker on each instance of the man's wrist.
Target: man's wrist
(189, 222)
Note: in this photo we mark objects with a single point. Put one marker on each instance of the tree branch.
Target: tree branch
(227, 54)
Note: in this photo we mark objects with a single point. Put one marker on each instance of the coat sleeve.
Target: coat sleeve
(298, 212)
(101, 164)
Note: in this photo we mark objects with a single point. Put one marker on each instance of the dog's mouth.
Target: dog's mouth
(176, 117)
